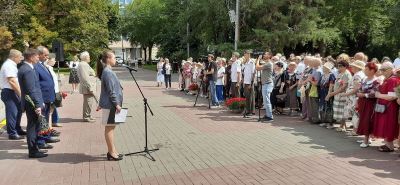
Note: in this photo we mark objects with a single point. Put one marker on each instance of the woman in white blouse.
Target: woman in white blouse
(220, 81)
(73, 75)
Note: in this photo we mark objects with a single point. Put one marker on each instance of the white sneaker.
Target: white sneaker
(362, 141)
(322, 125)
(330, 127)
(363, 145)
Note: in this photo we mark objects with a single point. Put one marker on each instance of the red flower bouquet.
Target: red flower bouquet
(236, 103)
(193, 87)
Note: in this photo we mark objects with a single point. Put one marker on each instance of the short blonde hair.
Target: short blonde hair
(51, 62)
(84, 56)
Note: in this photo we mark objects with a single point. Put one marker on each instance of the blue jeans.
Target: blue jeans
(13, 111)
(266, 93)
(213, 93)
(220, 93)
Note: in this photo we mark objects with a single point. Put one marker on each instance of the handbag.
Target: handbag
(281, 98)
(379, 108)
(58, 100)
(313, 92)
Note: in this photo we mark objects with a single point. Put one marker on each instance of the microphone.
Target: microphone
(129, 67)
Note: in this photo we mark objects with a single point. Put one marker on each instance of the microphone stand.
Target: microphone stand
(146, 107)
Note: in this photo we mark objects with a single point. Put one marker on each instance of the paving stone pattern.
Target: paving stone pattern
(197, 146)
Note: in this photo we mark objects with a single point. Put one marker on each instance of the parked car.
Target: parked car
(119, 60)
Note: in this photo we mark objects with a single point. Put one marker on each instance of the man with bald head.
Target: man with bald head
(11, 94)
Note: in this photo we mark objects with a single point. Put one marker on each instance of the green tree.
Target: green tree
(142, 23)
(80, 24)
(363, 24)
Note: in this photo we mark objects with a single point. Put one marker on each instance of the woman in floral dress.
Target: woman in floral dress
(339, 102)
(357, 68)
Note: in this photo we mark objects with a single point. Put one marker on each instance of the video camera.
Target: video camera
(257, 53)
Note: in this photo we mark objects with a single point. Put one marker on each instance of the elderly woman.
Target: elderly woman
(277, 100)
(160, 71)
(291, 87)
(87, 87)
(325, 87)
(386, 109)
(313, 94)
(366, 102)
(341, 84)
(357, 68)
(305, 88)
(53, 118)
(187, 74)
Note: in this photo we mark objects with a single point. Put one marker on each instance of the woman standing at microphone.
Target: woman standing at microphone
(110, 102)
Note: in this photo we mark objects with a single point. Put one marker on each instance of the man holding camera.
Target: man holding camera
(267, 83)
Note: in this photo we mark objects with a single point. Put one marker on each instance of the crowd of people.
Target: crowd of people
(349, 94)
(29, 84)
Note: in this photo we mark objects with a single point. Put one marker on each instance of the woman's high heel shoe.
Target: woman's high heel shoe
(110, 157)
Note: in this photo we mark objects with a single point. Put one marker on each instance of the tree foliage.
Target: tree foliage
(142, 22)
(324, 26)
(80, 24)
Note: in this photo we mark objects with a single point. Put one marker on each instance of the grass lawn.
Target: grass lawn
(62, 70)
(152, 67)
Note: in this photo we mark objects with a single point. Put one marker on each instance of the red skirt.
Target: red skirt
(385, 125)
(365, 111)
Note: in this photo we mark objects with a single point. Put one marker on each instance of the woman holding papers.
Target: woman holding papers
(110, 100)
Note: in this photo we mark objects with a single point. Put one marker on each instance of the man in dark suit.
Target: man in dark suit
(29, 83)
(48, 92)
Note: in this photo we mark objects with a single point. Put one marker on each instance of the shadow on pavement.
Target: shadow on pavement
(71, 158)
(70, 120)
(346, 148)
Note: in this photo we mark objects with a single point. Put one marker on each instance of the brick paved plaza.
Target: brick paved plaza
(197, 146)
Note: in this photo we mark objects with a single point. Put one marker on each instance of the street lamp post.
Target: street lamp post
(123, 50)
(187, 35)
(187, 28)
(237, 24)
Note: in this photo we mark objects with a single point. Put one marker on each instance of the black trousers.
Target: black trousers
(167, 79)
(32, 128)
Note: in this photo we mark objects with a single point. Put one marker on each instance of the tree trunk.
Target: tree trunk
(150, 51)
(145, 54)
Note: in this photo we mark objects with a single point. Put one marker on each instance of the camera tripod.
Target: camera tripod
(198, 92)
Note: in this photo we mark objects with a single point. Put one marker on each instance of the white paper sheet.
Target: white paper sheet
(392, 94)
(121, 117)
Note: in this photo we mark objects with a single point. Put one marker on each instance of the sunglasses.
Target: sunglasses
(383, 70)
(340, 65)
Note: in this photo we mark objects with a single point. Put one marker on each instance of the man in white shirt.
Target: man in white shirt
(396, 62)
(248, 82)
(11, 94)
(235, 75)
